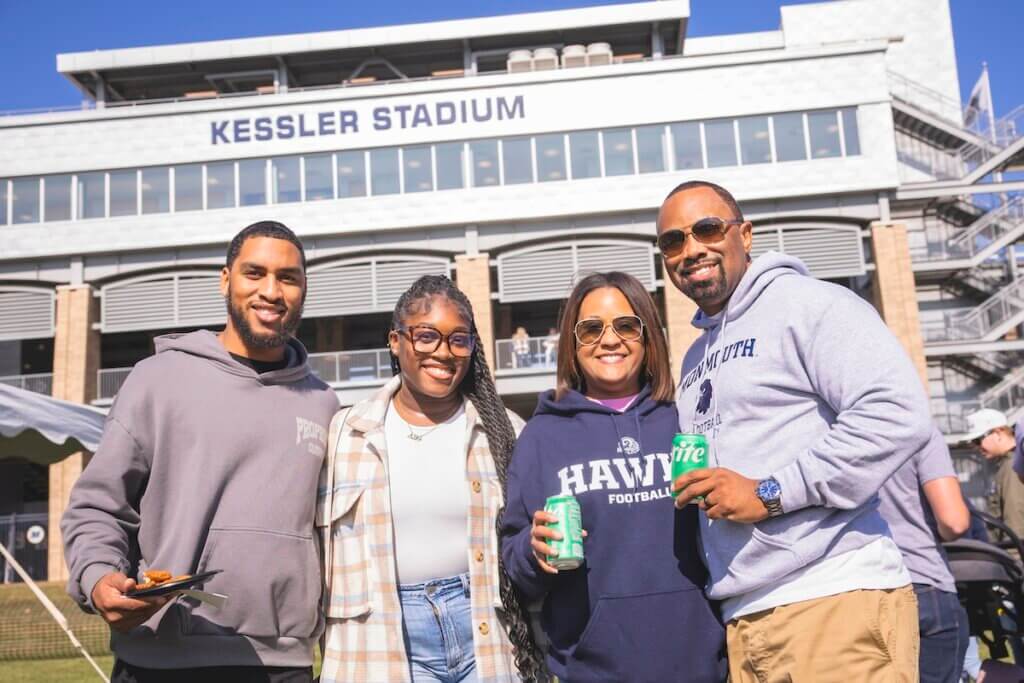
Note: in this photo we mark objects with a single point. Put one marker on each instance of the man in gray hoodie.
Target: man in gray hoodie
(209, 461)
(809, 405)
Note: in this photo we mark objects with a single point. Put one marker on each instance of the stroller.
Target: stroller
(990, 585)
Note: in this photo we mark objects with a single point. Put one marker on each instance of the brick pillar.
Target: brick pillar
(330, 334)
(76, 358)
(473, 275)
(893, 290)
(679, 311)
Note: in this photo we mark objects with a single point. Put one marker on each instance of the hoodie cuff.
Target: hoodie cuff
(795, 494)
(90, 577)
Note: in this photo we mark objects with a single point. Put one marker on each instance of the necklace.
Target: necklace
(419, 436)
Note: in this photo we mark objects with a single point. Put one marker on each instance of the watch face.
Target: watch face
(768, 489)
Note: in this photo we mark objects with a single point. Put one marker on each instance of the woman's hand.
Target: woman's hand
(540, 534)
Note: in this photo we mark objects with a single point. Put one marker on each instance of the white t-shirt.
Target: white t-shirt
(875, 566)
(429, 497)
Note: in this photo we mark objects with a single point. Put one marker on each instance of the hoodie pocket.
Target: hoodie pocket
(271, 578)
(350, 564)
(656, 638)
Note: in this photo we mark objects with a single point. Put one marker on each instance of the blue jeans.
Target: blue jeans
(944, 634)
(437, 625)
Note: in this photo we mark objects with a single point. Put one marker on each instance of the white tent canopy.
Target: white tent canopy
(45, 430)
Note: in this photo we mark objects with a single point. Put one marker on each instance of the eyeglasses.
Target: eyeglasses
(426, 339)
(627, 327)
(706, 231)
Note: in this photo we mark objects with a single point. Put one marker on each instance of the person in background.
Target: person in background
(634, 611)
(407, 510)
(551, 347)
(920, 502)
(521, 347)
(990, 433)
(209, 460)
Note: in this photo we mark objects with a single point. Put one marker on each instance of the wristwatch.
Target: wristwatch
(770, 493)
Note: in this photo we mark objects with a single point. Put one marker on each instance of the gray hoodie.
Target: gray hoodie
(205, 464)
(801, 380)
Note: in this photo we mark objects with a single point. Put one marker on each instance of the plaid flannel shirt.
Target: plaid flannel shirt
(363, 641)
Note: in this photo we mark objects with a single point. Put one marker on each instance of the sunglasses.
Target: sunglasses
(706, 231)
(627, 327)
(427, 340)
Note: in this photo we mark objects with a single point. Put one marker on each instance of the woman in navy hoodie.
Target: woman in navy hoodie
(635, 610)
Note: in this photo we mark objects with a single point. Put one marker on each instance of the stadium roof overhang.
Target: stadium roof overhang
(384, 53)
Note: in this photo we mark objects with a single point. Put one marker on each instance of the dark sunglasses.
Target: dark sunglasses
(427, 340)
(628, 328)
(706, 231)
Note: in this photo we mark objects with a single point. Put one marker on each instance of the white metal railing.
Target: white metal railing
(40, 383)
(978, 322)
(339, 367)
(528, 353)
(1004, 222)
(921, 95)
(109, 381)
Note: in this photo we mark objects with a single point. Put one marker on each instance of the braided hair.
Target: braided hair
(478, 387)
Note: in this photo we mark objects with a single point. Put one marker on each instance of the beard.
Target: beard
(707, 292)
(279, 337)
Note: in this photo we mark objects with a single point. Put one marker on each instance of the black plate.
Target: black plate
(172, 586)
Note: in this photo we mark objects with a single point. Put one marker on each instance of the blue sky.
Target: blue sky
(32, 32)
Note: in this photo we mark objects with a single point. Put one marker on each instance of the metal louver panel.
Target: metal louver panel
(340, 290)
(162, 301)
(368, 286)
(394, 277)
(549, 272)
(828, 251)
(26, 313)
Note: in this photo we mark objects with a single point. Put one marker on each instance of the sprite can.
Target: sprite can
(569, 550)
(689, 452)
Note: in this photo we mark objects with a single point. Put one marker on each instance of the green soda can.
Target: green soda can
(689, 452)
(568, 551)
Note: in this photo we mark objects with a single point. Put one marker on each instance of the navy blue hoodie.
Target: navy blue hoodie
(635, 611)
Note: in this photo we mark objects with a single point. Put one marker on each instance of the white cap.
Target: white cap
(984, 421)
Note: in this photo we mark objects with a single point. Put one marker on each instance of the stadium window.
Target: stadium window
(824, 133)
(418, 169)
(91, 195)
(790, 144)
(352, 174)
(686, 145)
(156, 190)
(56, 198)
(585, 154)
(319, 176)
(25, 197)
(618, 152)
(851, 134)
(650, 149)
(384, 177)
(721, 143)
(517, 160)
(485, 162)
(252, 182)
(755, 145)
(550, 157)
(287, 184)
(449, 159)
(3, 202)
(188, 187)
(124, 193)
(220, 185)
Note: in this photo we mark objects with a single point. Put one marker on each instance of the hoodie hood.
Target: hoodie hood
(574, 403)
(205, 344)
(764, 270)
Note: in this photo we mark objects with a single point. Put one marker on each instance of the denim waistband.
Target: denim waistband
(435, 585)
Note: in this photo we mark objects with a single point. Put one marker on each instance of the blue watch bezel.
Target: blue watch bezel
(769, 489)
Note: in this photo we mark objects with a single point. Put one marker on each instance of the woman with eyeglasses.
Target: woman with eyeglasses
(407, 507)
(635, 610)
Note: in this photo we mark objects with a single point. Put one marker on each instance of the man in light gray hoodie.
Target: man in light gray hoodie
(209, 461)
(809, 405)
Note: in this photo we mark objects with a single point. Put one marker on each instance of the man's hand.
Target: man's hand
(123, 614)
(727, 495)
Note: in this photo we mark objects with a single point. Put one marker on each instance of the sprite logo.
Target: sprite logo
(690, 455)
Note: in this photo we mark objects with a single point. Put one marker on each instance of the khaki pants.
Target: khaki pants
(865, 636)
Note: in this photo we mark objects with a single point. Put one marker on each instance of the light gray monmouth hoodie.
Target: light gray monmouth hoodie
(205, 464)
(801, 380)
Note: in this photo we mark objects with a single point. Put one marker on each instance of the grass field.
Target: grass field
(75, 670)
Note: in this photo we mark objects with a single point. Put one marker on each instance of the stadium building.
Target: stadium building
(512, 153)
